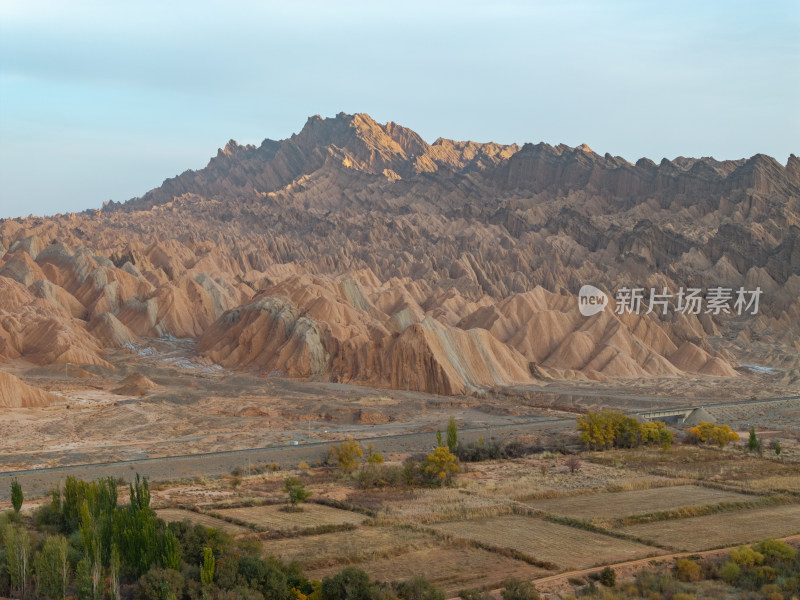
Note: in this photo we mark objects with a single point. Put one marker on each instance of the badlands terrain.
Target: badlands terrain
(355, 278)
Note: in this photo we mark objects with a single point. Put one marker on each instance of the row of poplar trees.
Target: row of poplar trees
(115, 541)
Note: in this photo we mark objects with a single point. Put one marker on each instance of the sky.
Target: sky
(102, 100)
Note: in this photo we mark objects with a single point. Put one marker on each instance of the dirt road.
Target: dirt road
(548, 587)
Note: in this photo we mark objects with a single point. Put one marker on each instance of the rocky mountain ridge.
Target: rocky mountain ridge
(357, 252)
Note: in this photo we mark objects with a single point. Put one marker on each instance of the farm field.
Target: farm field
(721, 529)
(442, 504)
(727, 466)
(273, 519)
(612, 505)
(178, 514)
(451, 568)
(774, 483)
(535, 477)
(348, 547)
(567, 547)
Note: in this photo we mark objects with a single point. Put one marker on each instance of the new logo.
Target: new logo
(591, 300)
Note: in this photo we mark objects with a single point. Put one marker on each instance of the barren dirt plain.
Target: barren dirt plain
(160, 400)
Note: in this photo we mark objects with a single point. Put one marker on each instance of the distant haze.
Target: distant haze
(102, 100)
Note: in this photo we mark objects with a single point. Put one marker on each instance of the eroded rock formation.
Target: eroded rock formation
(357, 252)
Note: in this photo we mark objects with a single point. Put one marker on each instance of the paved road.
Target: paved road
(37, 482)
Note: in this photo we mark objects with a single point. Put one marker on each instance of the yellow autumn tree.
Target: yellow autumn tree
(709, 433)
(346, 455)
(440, 465)
(701, 432)
(615, 429)
(722, 435)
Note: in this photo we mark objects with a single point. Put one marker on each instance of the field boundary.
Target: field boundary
(563, 577)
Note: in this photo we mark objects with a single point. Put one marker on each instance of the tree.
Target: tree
(161, 584)
(52, 568)
(16, 495)
(452, 435)
(351, 583)
(296, 490)
(438, 438)
(207, 568)
(752, 443)
(113, 569)
(722, 435)
(374, 458)
(655, 433)
(417, 588)
(709, 432)
(18, 553)
(614, 429)
(171, 554)
(346, 455)
(83, 579)
(573, 463)
(701, 432)
(440, 465)
(776, 445)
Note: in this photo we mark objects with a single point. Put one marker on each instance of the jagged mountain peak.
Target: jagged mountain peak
(357, 146)
(356, 251)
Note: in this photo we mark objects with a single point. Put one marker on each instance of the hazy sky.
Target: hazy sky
(103, 100)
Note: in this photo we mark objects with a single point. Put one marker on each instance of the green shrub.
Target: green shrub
(474, 594)
(160, 584)
(608, 577)
(776, 550)
(372, 475)
(729, 573)
(417, 588)
(654, 581)
(351, 583)
(745, 556)
(517, 589)
(771, 591)
(687, 569)
(478, 451)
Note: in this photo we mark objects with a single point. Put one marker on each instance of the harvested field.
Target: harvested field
(567, 547)
(729, 466)
(177, 514)
(775, 483)
(348, 547)
(450, 568)
(273, 519)
(636, 502)
(723, 529)
(442, 504)
(541, 477)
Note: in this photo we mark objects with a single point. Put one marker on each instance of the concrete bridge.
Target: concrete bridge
(674, 415)
(679, 415)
